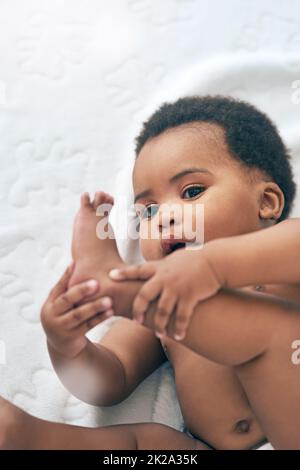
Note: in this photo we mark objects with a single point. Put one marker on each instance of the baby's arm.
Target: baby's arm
(94, 376)
(99, 374)
(106, 373)
(268, 256)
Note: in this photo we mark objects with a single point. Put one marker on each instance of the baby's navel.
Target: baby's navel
(259, 287)
(242, 426)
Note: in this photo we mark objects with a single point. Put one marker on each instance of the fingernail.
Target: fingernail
(109, 313)
(159, 335)
(92, 284)
(180, 336)
(139, 319)
(106, 301)
(115, 274)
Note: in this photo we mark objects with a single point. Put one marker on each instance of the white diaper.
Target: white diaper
(266, 446)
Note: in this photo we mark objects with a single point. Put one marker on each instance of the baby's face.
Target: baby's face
(191, 165)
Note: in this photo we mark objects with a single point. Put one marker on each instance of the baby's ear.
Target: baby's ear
(272, 201)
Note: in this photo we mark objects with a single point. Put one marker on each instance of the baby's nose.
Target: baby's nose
(165, 220)
(168, 218)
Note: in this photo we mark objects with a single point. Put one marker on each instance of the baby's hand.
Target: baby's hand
(65, 323)
(181, 280)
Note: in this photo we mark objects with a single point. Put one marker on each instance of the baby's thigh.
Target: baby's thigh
(162, 437)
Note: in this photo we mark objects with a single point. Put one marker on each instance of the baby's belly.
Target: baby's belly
(212, 400)
(213, 403)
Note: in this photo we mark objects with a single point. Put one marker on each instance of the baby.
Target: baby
(227, 316)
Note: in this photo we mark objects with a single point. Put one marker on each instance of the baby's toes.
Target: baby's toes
(85, 200)
(102, 198)
(109, 199)
(98, 199)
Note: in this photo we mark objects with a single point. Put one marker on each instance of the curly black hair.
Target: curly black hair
(252, 138)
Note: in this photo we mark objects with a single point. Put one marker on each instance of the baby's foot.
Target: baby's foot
(95, 257)
(14, 426)
(91, 253)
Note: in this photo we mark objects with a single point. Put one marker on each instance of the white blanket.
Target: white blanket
(69, 110)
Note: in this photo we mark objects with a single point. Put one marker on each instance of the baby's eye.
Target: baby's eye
(194, 190)
(149, 211)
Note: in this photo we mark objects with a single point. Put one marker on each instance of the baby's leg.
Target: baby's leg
(139, 436)
(19, 430)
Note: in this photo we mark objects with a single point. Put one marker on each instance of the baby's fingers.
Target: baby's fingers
(74, 295)
(146, 294)
(139, 271)
(62, 285)
(163, 312)
(92, 322)
(184, 312)
(99, 308)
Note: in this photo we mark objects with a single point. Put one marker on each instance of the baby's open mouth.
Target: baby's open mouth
(169, 246)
